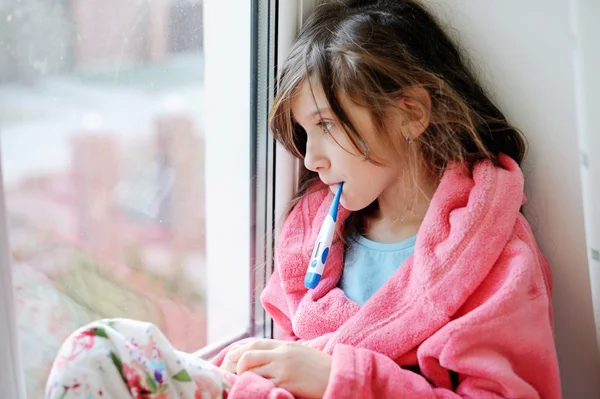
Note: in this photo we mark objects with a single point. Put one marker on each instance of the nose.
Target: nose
(315, 159)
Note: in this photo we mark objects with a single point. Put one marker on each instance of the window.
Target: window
(137, 172)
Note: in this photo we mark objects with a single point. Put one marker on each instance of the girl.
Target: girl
(434, 286)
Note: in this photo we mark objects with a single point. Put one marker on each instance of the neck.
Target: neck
(399, 215)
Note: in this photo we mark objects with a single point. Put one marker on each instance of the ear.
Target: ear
(415, 105)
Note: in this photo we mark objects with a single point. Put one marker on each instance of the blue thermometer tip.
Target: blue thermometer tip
(333, 210)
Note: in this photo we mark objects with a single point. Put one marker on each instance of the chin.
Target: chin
(352, 206)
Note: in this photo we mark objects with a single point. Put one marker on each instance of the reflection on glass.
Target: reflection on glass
(102, 149)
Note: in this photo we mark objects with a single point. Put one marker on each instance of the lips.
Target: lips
(333, 187)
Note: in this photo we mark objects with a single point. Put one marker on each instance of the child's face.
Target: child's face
(332, 155)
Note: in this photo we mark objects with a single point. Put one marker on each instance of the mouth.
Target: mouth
(333, 187)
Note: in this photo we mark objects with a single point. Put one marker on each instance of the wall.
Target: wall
(588, 85)
(528, 49)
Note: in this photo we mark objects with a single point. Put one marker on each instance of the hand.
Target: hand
(299, 369)
(232, 356)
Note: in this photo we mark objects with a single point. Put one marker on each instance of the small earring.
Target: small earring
(409, 139)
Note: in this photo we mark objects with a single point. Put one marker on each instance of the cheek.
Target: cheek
(369, 182)
(359, 192)
(364, 175)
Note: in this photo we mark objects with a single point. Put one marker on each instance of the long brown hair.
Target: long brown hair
(372, 52)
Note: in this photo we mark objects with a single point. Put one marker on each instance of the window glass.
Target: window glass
(102, 148)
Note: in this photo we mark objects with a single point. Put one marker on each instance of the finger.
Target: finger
(264, 344)
(235, 353)
(253, 359)
(228, 366)
(267, 371)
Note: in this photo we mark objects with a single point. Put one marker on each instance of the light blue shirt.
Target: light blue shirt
(369, 264)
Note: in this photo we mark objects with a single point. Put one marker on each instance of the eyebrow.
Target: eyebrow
(317, 111)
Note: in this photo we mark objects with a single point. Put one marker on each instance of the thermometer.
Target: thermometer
(321, 251)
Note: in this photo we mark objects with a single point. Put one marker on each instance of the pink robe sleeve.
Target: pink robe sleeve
(250, 385)
(274, 302)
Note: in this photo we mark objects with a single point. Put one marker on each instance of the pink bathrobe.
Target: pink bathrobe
(467, 316)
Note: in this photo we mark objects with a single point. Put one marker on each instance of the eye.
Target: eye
(326, 126)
